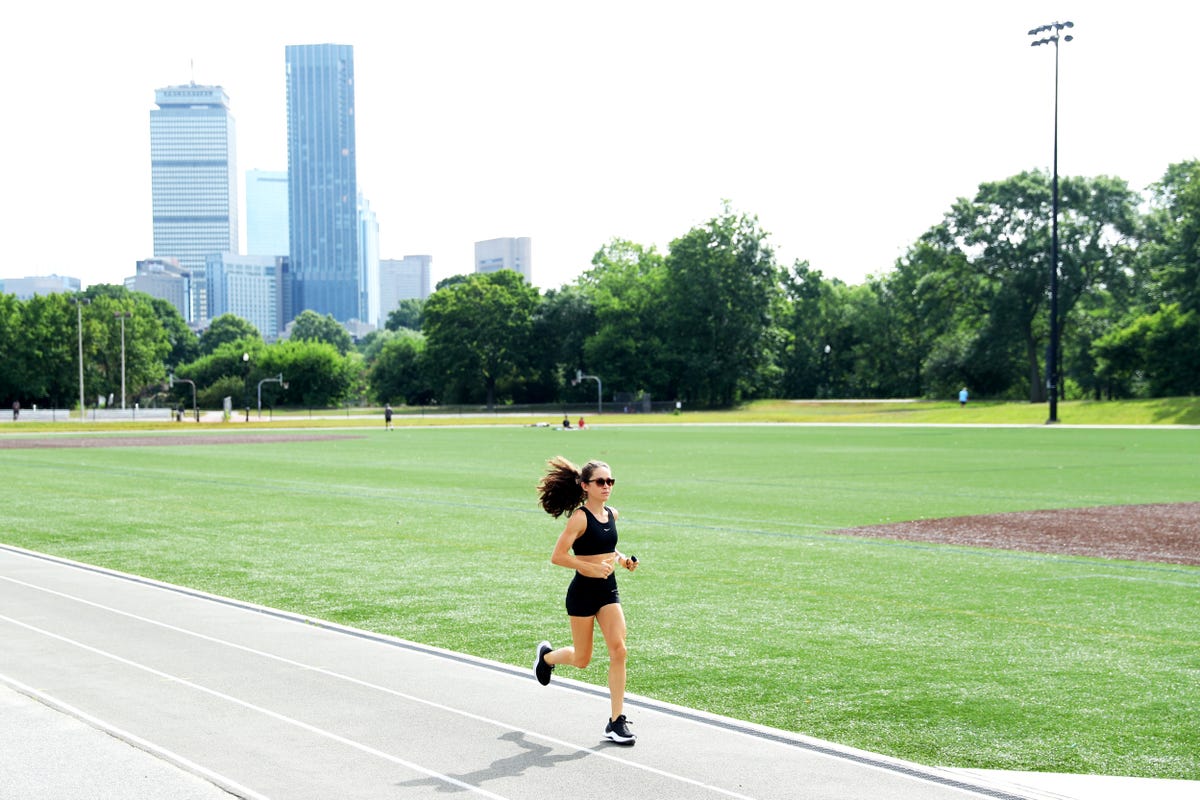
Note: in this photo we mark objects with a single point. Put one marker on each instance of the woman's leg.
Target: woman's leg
(612, 624)
(579, 654)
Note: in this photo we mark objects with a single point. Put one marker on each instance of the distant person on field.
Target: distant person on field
(566, 423)
(962, 396)
(16, 409)
(581, 424)
(387, 416)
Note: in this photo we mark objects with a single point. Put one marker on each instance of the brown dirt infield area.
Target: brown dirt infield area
(1162, 532)
(173, 440)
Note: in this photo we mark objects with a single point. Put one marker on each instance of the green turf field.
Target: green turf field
(745, 604)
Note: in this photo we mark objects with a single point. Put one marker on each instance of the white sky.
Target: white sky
(848, 128)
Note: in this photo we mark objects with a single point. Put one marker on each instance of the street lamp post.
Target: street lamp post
(277, 379)
(122, 315)
(579, 376)
(246, 384)
(195, 408)
(825, 366)
(1054, 29)
(80, 302)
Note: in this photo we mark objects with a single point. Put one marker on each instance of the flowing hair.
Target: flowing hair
(561, 490)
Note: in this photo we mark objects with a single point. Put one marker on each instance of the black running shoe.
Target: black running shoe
(542, 670)
(618, 731)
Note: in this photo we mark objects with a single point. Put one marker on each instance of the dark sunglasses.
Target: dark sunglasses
(603, 481)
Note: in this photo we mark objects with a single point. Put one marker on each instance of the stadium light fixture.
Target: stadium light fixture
(1055, 30)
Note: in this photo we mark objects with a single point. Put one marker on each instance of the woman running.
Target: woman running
(588, 545)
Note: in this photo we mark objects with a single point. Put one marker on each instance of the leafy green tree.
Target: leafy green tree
(309, 326)
(213, 395)
(561, 324)
(146, 343)
(812, 345)
(14, 376)
(724, 292)
(318, 376)
(1170, 257)
(996, 249)
(225, 329)
(869, 338)
(39, 354)
(406, 315)
(1157, 355)
(184, 344)
(235, 366)
(372, 343)
(398, 374)
(623, 322)
(479, 335)
(453, 280)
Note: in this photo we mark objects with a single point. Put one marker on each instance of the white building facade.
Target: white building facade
(247, 287)
(368, 263)
(26, 288)
(493, 255)
(407, 278)
(165, 279)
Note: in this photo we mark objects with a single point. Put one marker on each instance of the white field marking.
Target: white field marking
(368, 685)
(265, 711)
(169, 756)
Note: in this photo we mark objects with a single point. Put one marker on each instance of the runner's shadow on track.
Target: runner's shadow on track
(535, 756)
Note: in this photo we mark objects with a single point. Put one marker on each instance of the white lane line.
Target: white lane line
(169, 756)
(388, 690)
(259, 709)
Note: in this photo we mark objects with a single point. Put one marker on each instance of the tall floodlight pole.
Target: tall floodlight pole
(122, 315)
(1054, 29)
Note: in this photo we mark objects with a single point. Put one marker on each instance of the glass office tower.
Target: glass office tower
(193, 177)
(322, 183)
(267, 213)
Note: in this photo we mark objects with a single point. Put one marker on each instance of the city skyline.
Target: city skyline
(847, 130)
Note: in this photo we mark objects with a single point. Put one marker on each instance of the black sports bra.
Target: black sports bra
(598, 537)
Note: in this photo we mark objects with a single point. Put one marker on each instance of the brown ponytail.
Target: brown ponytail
(561, 490)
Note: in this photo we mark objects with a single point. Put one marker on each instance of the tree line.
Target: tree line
(712, 322)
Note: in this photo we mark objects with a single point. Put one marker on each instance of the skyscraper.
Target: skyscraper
(193, 179)
(266, 213)
(322, 184)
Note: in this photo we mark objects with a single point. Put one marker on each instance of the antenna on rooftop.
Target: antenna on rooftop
(192, 68)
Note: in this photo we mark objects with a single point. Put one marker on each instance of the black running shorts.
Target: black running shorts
(586, 596)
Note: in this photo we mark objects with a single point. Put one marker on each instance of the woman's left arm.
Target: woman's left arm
(622, 559)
